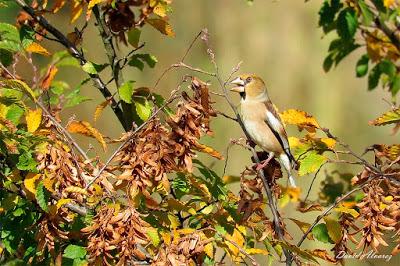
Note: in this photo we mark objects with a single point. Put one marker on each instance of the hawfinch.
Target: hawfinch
(262, 121)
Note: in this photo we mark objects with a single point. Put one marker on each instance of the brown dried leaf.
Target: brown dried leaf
(84, 128)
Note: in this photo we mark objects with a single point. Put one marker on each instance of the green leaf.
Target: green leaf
(368, 16)
(26, 162)
(387, 67)
(134, 37)
(74, 252)
(320, 232)
(58, 87)
(26, 35)
(89, 67)
(126, 90)
(328, 62)
(180, 185)
(373, 77)
(362, 66)
(14, 114)
(311, 163)
(6, 57)
(152, 233)
(347, 24)
(327, 14)
(64, 58)
(395, 86)
(42, 196)
(138, 60)
(143, 108)
(74, 98)
(9, 32)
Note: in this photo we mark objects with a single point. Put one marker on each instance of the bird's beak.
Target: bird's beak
(240, 85)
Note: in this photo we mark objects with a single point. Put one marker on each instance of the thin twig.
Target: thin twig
(312, 182)
(98, 82)
(274, 208)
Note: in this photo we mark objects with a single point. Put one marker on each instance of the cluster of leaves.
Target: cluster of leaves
(365, 24)
(153, 201)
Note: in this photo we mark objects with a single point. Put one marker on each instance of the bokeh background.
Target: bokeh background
(278, 40)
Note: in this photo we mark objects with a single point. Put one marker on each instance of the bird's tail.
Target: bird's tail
(287, 164)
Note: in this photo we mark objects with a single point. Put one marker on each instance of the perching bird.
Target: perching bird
(262, 121)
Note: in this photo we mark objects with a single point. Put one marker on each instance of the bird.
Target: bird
(262, 122)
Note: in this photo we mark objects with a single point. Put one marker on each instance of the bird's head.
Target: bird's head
(249, 86)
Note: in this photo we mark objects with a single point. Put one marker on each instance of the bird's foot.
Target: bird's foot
(264, 163)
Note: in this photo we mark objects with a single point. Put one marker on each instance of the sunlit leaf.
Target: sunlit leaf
(126, 90)
(311, 163)
(84, 128)
(37, 49)
(99, 109)
(320, 232)
(300, 119)
(389, 117)
(33, 119)
(334, 229)
(48, 78)
(162, 26)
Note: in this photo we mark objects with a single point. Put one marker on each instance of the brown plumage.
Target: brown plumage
(262, 121)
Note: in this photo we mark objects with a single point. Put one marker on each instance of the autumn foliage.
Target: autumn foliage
(152, 201)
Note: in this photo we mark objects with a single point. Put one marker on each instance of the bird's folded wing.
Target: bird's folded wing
(275, 124)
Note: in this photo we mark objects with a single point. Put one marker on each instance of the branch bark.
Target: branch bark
(98, 82)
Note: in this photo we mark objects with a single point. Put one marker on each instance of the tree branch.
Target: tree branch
(274, 208)
(98, 82)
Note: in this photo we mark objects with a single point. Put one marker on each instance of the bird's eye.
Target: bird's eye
(248, 79)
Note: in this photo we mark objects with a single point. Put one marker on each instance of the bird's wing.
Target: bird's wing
(274, 122)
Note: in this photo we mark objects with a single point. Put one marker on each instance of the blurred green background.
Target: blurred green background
(278, 40)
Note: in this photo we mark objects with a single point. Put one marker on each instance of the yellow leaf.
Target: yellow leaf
(30, 182)
(37, 49)
(330, 143)
(77, 8)
(334, 229)
(300, 119)
(236, 237)
(33, 119)
(92, 3)
(388, 3)
(185, 231)
(162, 26)
(382, 206)
(209, 150)
(343, 208)
(160, 10)
(74, 189)
(303, 226)
(389, 117)
(84, 128)
(209, 250)
(166, 236)
(62, 202)
(294, 142)
(99, 109)
(48, 183)
(253, 251)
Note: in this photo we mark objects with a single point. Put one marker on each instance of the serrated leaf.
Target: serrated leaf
(30, 182)
(89, 67)
(126, 90)
(311, 163)
(20, 86)
(42, 197)
(33, 119)
(74, 252)
(162, 26)
(9, 32)
(26, 162)
(152, 233)
(26, 35)
(143, 109)
(37, 49)
(389, 117)
(320, 232)
(345, 209)
(334, 229)
(300, 118)
(84, 128)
